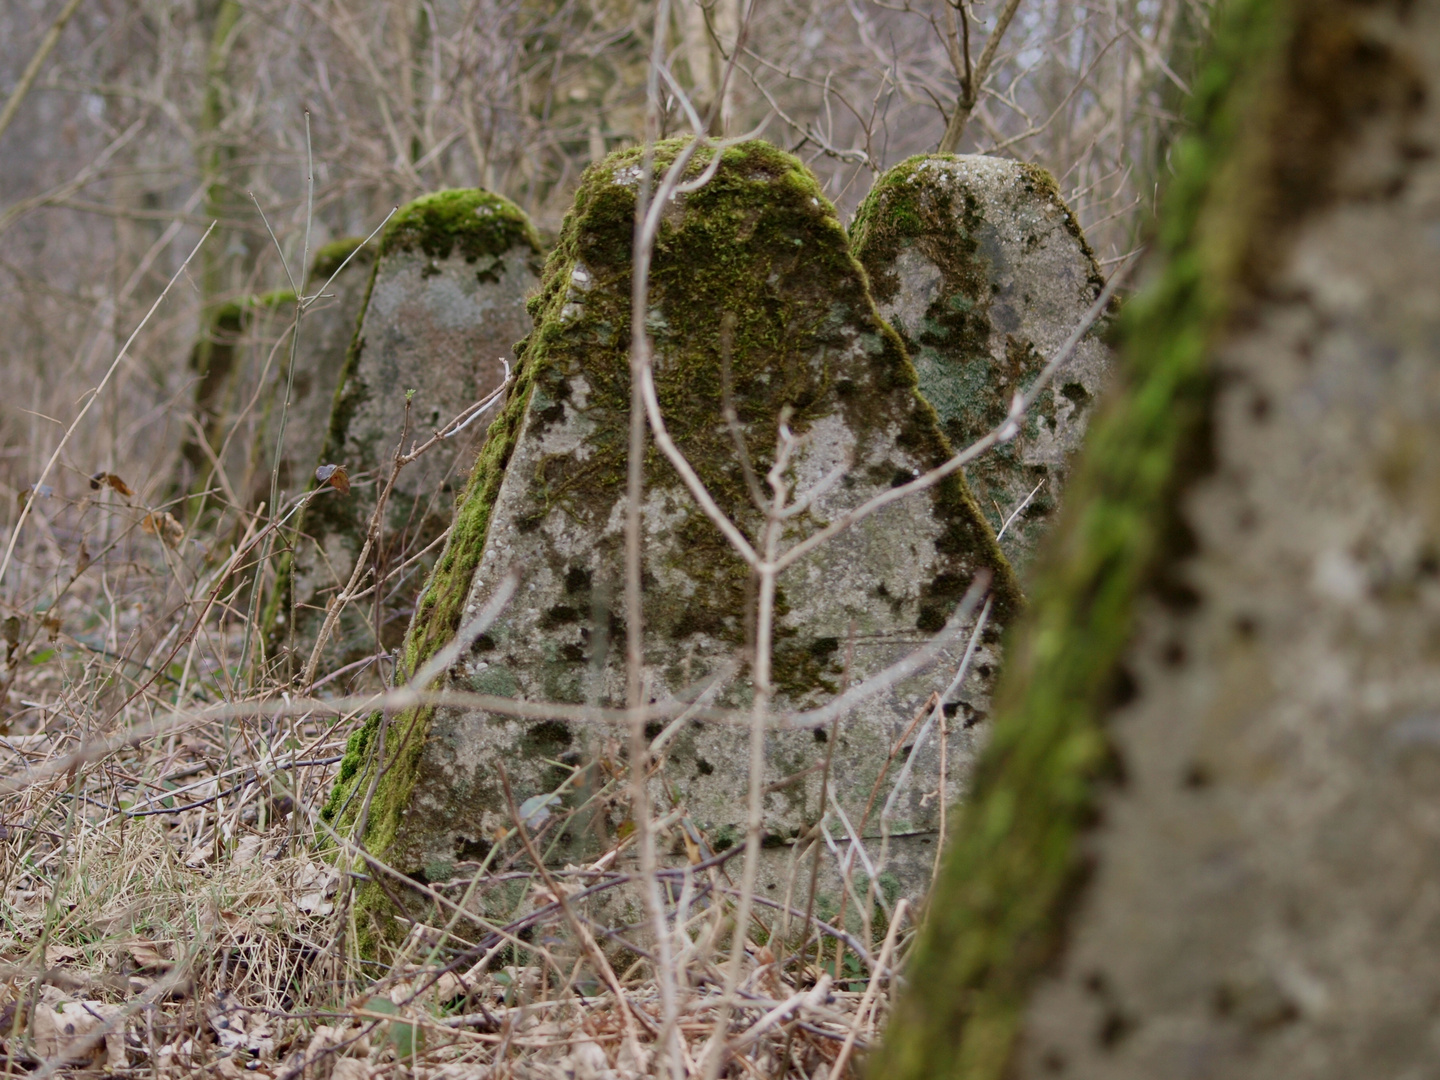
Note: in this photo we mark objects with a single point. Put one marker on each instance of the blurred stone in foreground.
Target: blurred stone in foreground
(981, 268)
(445, 306)
(1203, 842)
(752, 272)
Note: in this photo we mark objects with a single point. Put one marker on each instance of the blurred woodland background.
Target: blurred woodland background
(149, 119)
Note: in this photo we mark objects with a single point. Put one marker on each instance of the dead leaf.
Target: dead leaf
(13, 627)
(82, 559)
(335, 476)
(149, 955)
(164, 526)
(52, 626)
(60, 954)
(60, 1029)
(111, 480)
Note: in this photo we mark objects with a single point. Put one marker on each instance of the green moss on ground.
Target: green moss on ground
(1284, 82)
(756, 259)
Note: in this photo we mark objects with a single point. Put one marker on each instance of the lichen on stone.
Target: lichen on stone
(983, 271)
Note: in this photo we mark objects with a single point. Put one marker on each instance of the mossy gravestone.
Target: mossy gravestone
(981, 268)
(754, 264)
(446, 304)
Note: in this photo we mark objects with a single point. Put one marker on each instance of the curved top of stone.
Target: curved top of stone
(983, 271)
(752, 275)
(473, 220)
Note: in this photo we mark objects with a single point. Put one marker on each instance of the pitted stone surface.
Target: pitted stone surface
(440, 320)
(758, 259)
(982, 270)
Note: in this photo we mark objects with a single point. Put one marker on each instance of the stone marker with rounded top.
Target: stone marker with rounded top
(752, 274)
(444, 307)
(982, 269)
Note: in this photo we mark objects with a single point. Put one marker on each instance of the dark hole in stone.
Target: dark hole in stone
(1097, 984)
(558, 616)
(1076, 393)
(1246, 626)
(467, 850)
(820, 735)
(1260, 407)
(1123, 688)
(547, 738)
(1197, 775)
(1178, 596)
(974, 716)
(1429, 563)
(881, 591)
(573, 653)
(1173, 654)
(901, 478)
(577, 579)
(483, 643)
(704, 767)
(985, 670)
(822, 648)
(771, 840)
(846, 388)
(951, 708)
(1113, 1029)
(553, 414)
(653, 728)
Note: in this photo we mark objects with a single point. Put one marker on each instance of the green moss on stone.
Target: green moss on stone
(1269, 105)
(333, 255)
(483, 226)
(761, 220)
(911, 207)
(475, 221)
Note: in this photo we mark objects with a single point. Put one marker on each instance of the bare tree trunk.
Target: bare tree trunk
(1203, 836)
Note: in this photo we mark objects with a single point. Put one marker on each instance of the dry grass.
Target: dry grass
(171, 903)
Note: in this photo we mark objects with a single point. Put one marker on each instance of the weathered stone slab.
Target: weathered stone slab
(1206, 843)
(983, 271)
(758, 245)
(445, 305)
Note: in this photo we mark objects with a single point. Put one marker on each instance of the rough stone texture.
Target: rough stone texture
(760, 243)
(445, 304)
(1230, 669)
(981, 268)
(325, 335)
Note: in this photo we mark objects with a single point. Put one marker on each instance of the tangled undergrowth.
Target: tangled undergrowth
(171, 903)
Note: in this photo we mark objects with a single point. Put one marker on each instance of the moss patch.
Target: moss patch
(333, 255)
(474, 221)
(1285, 83)
(914, 207)
(754, 271)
